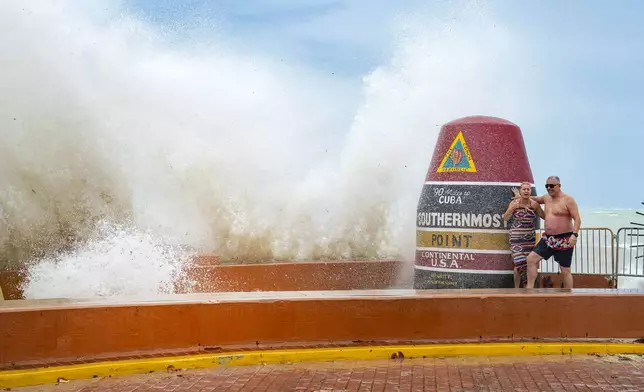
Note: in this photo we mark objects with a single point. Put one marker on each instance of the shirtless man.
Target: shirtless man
(560, 236)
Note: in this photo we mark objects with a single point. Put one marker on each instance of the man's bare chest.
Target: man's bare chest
(557, 208)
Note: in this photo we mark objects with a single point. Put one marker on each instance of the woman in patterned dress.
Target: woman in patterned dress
(523, 236)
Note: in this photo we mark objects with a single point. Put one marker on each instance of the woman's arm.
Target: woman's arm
(511, 207)
(538, 199)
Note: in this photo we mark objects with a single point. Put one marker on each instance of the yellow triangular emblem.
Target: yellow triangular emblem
(458, 157)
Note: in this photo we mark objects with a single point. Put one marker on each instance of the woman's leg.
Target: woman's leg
(523, 271)
(519, 262)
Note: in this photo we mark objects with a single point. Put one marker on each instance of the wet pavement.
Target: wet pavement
(535, 373)
(259, 296)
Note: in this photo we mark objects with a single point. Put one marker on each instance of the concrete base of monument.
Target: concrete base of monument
(428, 279)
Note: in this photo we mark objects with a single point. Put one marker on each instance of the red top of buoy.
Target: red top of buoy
(480, 149)
(481, 120)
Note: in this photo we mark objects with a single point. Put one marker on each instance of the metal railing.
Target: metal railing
(599, 251)
(593, 254)
(629, 254)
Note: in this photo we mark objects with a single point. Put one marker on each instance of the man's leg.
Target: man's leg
(567, 277)
(565, 260)
(533, 267)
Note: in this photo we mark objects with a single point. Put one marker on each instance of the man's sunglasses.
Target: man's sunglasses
(548, 186)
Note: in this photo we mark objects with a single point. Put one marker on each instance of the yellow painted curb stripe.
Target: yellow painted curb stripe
(50, 375)
(462, 240)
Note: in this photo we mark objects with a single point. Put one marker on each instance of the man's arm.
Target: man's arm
(574, 213)
(539, 210)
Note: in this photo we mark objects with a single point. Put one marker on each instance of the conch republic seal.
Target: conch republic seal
(461, 238)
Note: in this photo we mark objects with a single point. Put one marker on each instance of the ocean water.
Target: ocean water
(627, 246)
(613, 219)
(124, 154)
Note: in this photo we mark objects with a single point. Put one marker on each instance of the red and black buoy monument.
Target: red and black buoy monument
(461, 238)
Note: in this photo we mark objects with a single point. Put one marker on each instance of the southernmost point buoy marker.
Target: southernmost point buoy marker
(461, 238)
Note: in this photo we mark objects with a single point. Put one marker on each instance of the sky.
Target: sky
(585, 122)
